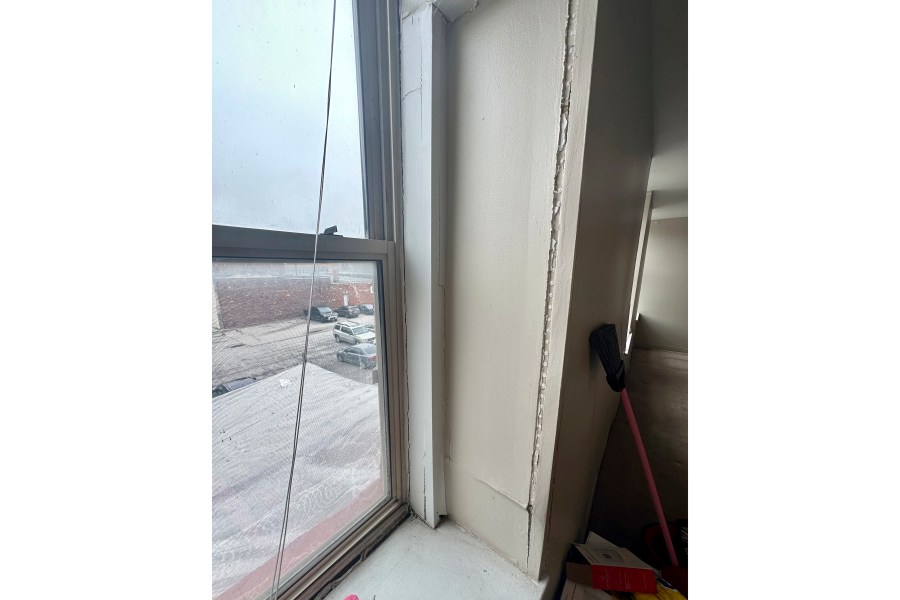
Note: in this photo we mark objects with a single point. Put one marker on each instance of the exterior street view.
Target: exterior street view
(339, 473)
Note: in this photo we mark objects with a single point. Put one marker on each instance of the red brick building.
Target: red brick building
(248, 293)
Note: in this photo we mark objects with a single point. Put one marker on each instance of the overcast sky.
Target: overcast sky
(270, 78)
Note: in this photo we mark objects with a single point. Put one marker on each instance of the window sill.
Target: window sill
(446, 563)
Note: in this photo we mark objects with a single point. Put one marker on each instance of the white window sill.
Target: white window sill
(446, 563)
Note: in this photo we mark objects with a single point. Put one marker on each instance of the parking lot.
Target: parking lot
(261, 351)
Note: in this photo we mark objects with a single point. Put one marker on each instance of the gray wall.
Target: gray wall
(657, 379)
(669, 169)
(663, 305)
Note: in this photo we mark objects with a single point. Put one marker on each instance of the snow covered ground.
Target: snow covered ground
(339, 455)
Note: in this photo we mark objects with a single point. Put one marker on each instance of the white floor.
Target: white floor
(447, 563)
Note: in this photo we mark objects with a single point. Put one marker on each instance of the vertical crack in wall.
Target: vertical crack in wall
(401, 222)
(552, 257)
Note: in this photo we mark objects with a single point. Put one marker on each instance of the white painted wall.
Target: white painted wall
(663, 305)
(422, 109)
(505, 71)
(522, 458)
(617, 153)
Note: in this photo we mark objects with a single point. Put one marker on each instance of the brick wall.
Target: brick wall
(254, 300)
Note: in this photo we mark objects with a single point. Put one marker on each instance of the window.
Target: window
(270, 79)
(276, 288)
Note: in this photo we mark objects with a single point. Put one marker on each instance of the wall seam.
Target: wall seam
(565, 96)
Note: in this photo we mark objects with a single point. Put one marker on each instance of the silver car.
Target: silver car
(353, 333)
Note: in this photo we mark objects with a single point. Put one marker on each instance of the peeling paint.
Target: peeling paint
(405, 381)
(552, 255)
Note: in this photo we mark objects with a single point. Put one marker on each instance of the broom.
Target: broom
(606, 344)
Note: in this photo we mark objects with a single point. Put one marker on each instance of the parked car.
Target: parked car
(237, 384)
(366, 309)
(348, 312)
(360, 354)
(353, 333)
(320, 313)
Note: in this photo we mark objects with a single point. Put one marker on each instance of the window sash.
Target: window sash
(240, 242)
(252, 244)
(376, 26)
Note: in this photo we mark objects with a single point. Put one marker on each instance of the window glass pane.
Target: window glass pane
(270, 82)
(341, 473)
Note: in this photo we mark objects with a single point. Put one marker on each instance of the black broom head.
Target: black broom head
(606, 344)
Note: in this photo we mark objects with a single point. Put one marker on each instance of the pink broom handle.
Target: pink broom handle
(626, 402)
